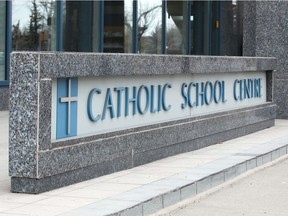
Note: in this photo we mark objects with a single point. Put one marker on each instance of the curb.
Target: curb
(173, 189)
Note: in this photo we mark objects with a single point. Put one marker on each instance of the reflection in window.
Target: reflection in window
(33, 25)
(2, 39)
(200, 27)
(176, 15)
(149, 26)
(81, 26)
(118, 26)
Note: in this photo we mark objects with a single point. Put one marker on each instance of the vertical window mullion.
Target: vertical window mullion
(189, 28)
(8, 38)
(101, 26)
(135, 26)
(220, 27)
(210, 27)
(59, 40)
(164, 38)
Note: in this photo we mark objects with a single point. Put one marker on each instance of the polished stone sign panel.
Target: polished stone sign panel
(76, 116)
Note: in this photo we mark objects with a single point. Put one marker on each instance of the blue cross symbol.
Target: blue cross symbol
(69, 100)
(67, 94)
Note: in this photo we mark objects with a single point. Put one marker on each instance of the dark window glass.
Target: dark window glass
(205, 28)
(215, 28)
(118, 26)
(34, 25)
(2, 39)
(201, 32)
(232, 28)
(81, 26)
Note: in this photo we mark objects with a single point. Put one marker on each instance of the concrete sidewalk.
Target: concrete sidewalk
(146, 189)
(262, 191)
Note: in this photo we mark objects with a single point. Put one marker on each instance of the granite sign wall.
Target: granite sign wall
(76, 116)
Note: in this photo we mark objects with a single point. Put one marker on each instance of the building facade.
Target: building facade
(224, 28)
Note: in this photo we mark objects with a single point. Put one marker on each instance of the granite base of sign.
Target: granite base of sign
(44, 151)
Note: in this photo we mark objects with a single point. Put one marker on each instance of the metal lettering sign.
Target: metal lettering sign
(88, 106)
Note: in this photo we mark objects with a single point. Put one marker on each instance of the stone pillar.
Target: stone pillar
(266, 34)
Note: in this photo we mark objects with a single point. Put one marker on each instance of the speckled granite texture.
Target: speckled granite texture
(69, 64)
(280, 95)
(4, 98)
(37, 166)
(144, 141)
(23, 122)
(265, 34)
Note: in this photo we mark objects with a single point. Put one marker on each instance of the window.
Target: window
(2, 39)
(118, 26)
(149, 23)
(80, 26)
(232, 27)
(34, 25)
(201, 28)
(125, 26)
(176, 29)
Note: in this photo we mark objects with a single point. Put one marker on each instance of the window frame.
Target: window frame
(59, 37)
(8, 40)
